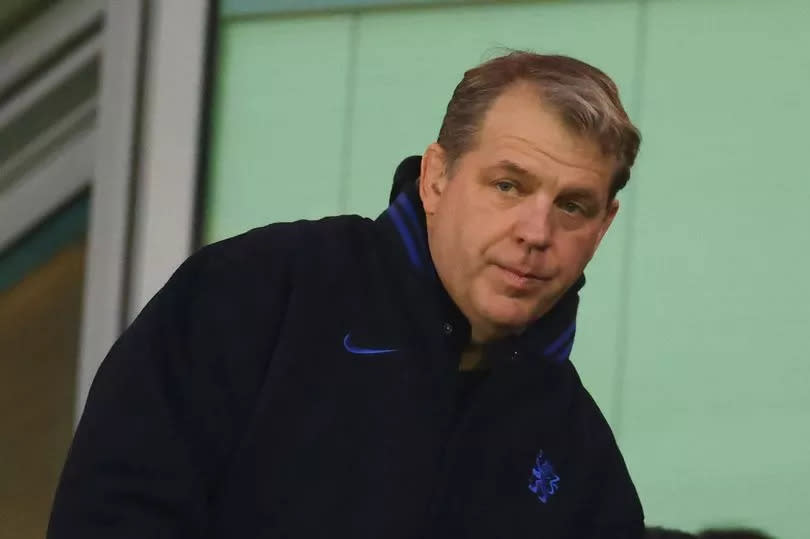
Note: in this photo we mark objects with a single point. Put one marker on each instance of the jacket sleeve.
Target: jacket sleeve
(614, 511)
(173, 396)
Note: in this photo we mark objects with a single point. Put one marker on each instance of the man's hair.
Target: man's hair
(585, 98)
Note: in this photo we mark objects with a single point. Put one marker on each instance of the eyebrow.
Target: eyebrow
(581, 192)
(514, 168)
(575, 192)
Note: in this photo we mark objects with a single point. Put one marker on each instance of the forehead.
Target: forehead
(518, 127)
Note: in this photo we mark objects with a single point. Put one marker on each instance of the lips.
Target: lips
(520, 273)
(521, 276)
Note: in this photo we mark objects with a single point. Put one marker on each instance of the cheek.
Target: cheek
(577, 250)
(483, 243)
(489, 229)
(454, 243)
(469, 232)
(473, 229)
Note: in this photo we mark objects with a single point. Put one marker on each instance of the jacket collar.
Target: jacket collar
(551, 337)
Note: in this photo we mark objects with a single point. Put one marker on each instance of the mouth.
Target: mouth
(521, 278)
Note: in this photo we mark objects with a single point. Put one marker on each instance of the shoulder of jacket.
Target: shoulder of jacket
(597, 429)
(243, 280)
(277, 244)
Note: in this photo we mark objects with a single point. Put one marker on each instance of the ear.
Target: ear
(613, 209)
(433, 177)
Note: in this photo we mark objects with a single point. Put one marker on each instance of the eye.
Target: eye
(572, 208)
(505, 186)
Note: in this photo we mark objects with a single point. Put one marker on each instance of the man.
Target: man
(398, 378)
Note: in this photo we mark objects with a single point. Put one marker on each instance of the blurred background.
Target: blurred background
(134, 131)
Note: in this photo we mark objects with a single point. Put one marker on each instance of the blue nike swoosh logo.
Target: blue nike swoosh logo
(364, 351)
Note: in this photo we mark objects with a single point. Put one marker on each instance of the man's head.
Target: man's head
(520, 187)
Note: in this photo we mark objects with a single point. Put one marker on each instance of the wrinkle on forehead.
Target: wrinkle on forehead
(519, 121)
(592, 160)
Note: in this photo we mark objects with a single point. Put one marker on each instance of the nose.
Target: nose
(534, 227)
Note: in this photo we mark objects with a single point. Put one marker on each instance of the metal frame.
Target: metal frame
(33, 63)
(28, 204)
(167, 187)
(76, 120)
(46, 188)
(142, 153)
(111, 199)
(32, 45)
(50, 80)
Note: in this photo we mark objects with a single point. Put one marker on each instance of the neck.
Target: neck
(472, 357)
(484, 333)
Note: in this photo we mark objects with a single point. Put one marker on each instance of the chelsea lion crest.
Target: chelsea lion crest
(543, 482)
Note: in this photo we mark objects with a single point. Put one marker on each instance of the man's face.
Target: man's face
(513, 226)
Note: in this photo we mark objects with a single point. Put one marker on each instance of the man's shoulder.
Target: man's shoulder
(282, 244)
(253, 271)
(612, 485)
(597, 430)
(269, 238)
(263, 262)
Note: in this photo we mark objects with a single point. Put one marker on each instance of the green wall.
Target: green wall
(716, 403)
(691, 328)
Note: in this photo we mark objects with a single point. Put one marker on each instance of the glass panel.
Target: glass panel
(41, 285)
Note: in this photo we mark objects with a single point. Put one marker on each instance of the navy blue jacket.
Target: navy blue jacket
(301, 381)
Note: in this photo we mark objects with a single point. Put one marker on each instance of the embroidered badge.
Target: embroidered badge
(544, 481)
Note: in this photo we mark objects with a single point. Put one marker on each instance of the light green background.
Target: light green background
(693, 331)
